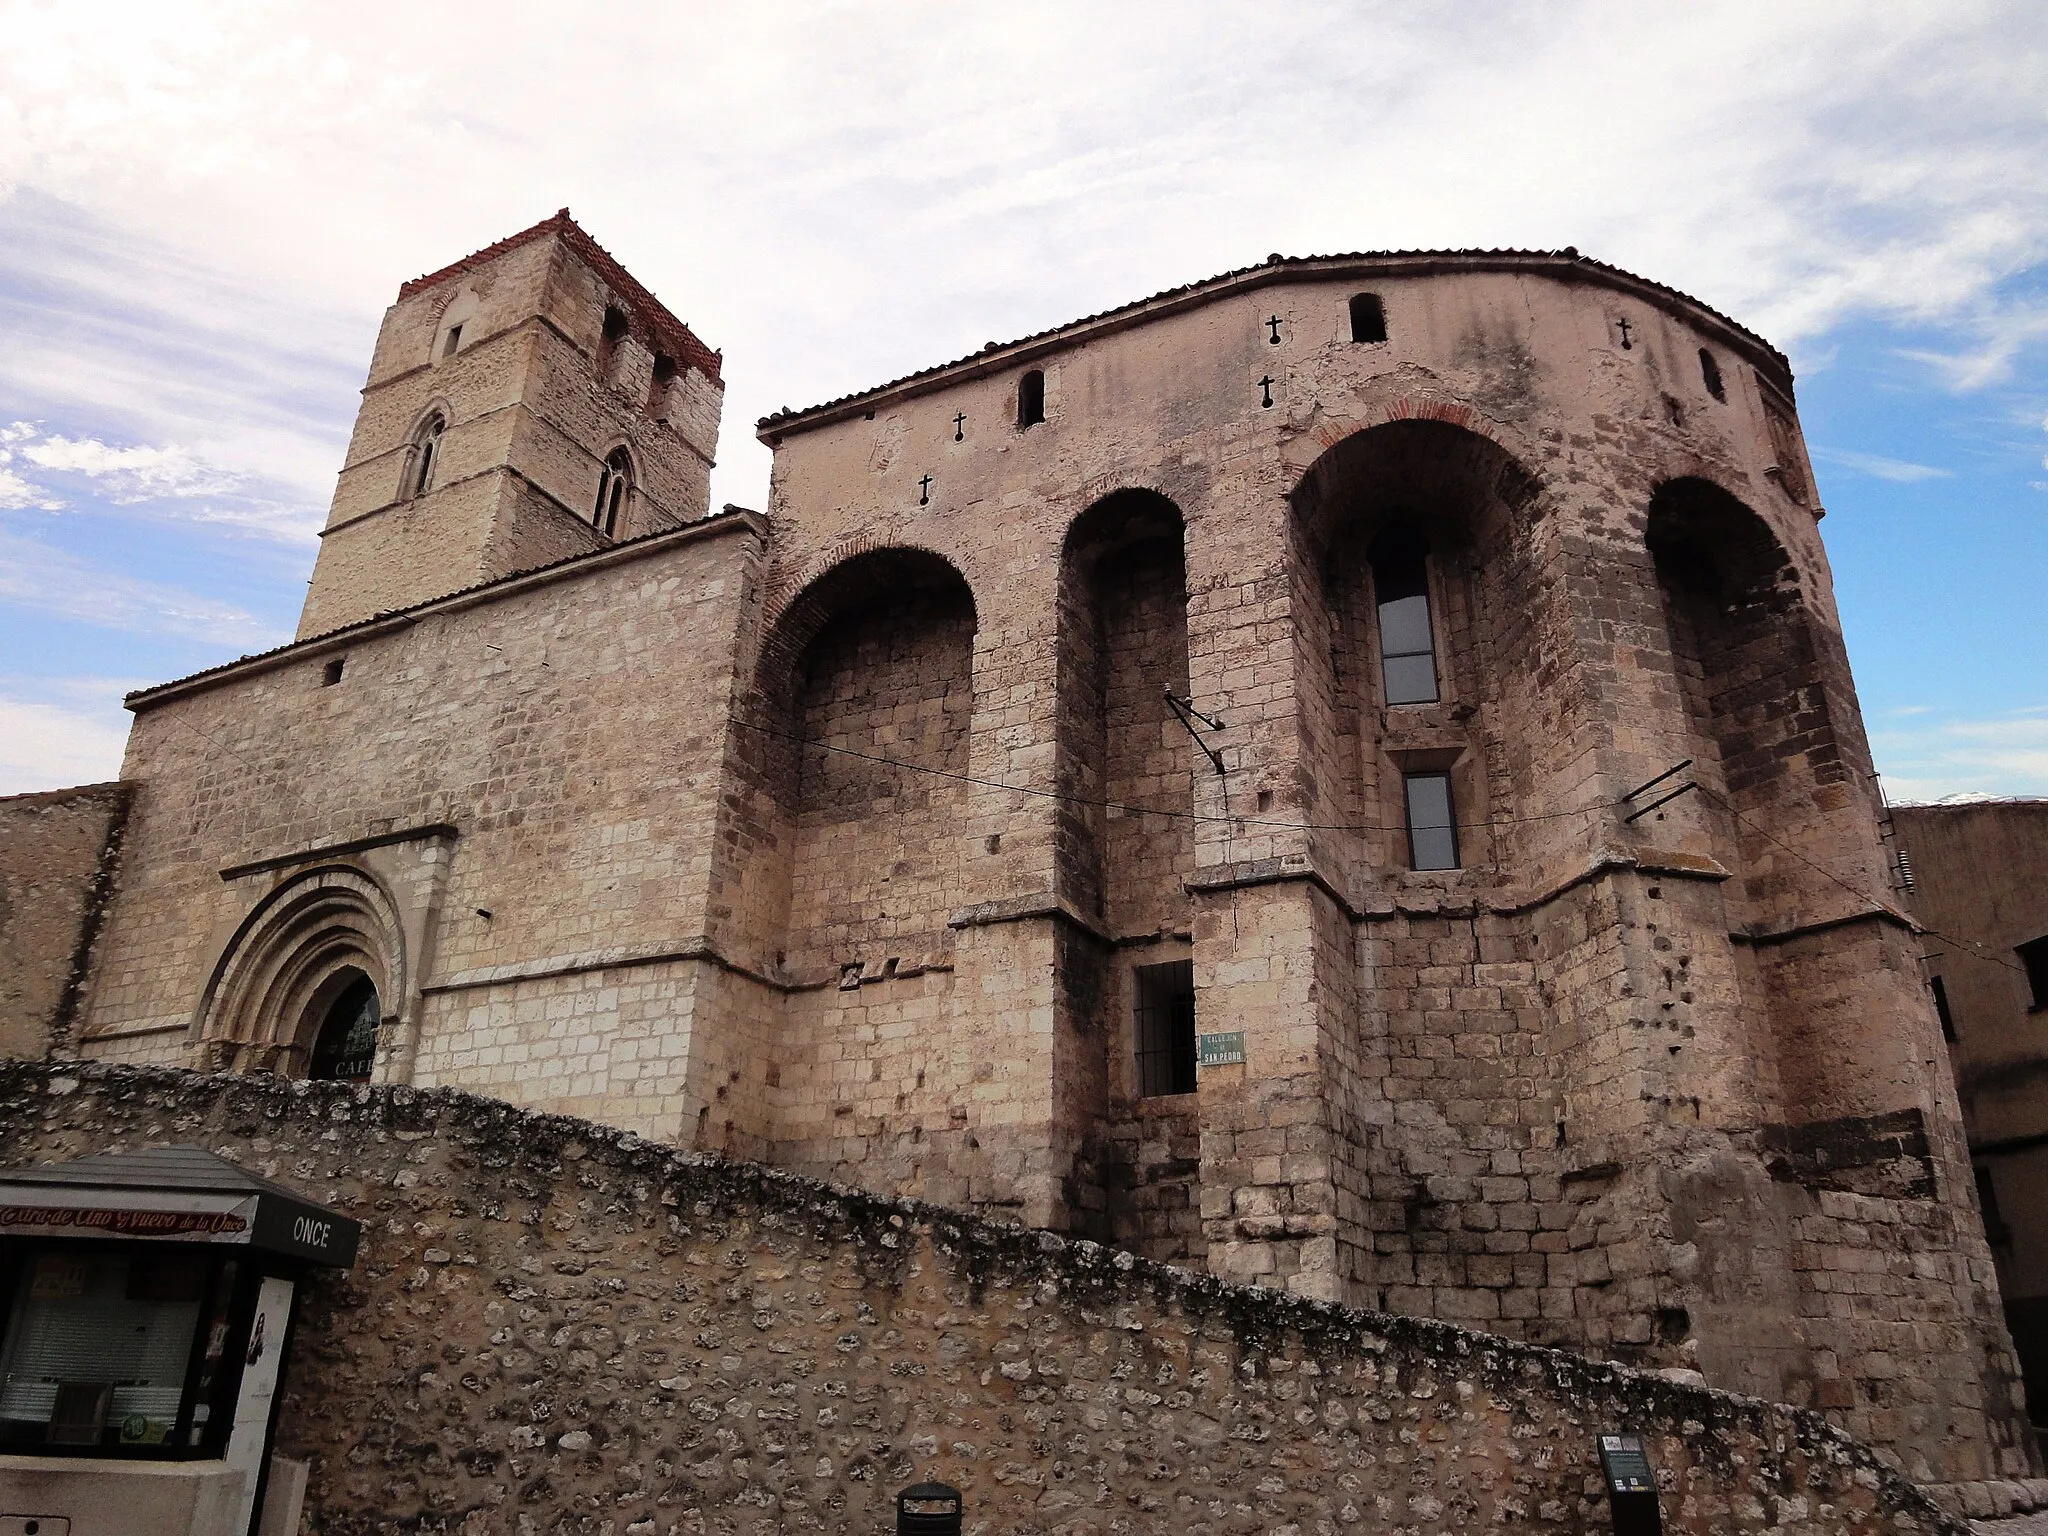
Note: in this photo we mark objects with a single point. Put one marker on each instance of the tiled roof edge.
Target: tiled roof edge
(674, 335)
(142, 698)
(1275, 266)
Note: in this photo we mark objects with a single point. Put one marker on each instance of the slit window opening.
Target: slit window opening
(1710, 375)
(1400, 578)
(664, 375)
(2034, 956)
(1996, 1232)
(1432, 828)
(608, 342)
(1368, 318)
(426, 449)
(1164, 1013)
(1031, 399)
(1940, 991)
(454, 340)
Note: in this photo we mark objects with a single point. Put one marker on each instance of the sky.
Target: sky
(205, 207)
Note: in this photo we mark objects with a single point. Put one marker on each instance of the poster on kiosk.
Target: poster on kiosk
(149, 1299)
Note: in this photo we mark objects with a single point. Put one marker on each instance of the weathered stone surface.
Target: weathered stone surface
(558, 1327)
(58, 854)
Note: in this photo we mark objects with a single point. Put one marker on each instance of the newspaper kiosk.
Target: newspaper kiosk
(148, 1301)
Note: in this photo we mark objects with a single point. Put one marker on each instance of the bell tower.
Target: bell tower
(528, 403)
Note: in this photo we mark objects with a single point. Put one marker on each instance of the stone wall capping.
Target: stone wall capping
(427, 832)
(1762, 937)
(698, 948)
(718, 524)
(1245, 874)
(1379, 903)
(1017, 909)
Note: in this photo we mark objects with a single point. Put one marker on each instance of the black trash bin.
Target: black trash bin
(928, 1509)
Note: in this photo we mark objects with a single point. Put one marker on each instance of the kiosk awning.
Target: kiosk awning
(172, 1194)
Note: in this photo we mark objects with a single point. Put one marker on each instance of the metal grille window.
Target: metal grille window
(1432, 829)
(1165, 1003)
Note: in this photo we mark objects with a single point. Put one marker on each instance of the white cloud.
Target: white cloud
(838, 193)
(2002, 756)
(51, 746)
(164, 480)
(1899, 471)
(17, 495)
(131, 474)
(45, 580)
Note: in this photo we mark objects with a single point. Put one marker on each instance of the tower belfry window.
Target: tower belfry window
(613, 482)
(1400, 578)
(1368, 318)
(1031, 399)
(426, 449)
(448, 348)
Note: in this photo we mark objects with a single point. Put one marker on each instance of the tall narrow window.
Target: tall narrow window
(608, 343)
(664, 375)
(1368, 318)
(1996, 1232)
(346, 1047)
(1948, 1020)
(426, 448)
(1710, 375)
(1400, 578)
(448, 348)
(1432, 829)
(1165, 1018)
(613, 481)
(1031, 399)
(2034, 956)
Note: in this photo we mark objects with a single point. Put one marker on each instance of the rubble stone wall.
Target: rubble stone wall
(558, 1327)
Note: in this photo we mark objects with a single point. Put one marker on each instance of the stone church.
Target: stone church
(1344, 775)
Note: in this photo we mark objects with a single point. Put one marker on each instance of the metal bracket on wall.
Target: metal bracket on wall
(1664, 799)
(1185, 712)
